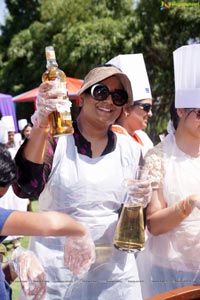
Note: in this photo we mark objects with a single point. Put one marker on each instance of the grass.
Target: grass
(24, 243)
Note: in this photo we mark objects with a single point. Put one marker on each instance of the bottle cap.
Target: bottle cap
(50, 53)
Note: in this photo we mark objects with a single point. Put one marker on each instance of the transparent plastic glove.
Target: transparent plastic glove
(141, 192)
(48, 99)
(30, 272)
(79, 254)
(193, 201)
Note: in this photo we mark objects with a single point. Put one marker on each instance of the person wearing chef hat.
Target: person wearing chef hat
(14, 139)
(3, 133)
(171, 256)
(10, 200)
(10, 127)
(134, 117)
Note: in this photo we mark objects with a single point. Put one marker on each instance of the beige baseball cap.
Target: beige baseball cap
(100, 73)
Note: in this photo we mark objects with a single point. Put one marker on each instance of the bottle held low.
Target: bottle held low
(129, 234)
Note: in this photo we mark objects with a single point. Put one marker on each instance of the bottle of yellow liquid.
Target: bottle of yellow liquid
(60, 120)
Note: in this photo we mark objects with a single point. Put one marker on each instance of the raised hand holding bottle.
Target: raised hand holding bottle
(60, 119)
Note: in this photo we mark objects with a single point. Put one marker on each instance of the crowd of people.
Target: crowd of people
(78, 179)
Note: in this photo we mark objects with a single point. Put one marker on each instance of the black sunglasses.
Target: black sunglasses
(145, 106)
(100, 92)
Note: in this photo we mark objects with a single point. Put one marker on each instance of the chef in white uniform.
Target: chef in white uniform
(134, 118)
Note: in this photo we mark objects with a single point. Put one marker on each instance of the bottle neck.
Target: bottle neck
(51, 62)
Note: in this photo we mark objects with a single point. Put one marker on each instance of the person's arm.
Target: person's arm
(32, 177)
(46, 103)
(161, 219)
(31, 157)
(41, 224)
(24, 262)
(35, 147)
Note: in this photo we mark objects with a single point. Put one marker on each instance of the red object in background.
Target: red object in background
(73, 86)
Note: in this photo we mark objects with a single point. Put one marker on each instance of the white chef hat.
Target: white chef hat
(22, 123)
(9, 122)
(3, 133)
(187, 76)
(133, 66)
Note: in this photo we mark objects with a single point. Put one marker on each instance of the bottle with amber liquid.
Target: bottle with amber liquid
(129, 234)
(60, 120)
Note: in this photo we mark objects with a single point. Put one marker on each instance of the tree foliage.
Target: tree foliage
(163, 31)
(88, 32)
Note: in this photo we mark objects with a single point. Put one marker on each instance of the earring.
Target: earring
(126, 114)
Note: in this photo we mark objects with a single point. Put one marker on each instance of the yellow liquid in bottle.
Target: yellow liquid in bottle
(60, 120)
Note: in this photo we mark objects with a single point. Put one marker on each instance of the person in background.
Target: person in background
(134, 117)
(10, 200)
(82, 174)
(3, 133)
(23, 263)
(10, 128)
(11, 144)
(21, 124)
(26, 131)
(171, 256)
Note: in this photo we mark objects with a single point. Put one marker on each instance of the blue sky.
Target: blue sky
(2, 10)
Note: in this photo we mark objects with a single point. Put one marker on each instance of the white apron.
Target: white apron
(171, 260)
(90, 190)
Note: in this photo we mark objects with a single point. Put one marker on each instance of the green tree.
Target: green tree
(163, 31)
(21, 14)
(13, 44)
(83, 33)
(89, 32)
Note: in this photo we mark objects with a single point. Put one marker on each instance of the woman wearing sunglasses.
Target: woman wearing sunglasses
(82, 175)
(171, 256)
(134, 118)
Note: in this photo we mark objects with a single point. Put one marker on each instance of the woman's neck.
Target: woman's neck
(187, 143)
(90, 131)
(122, 122)
(97, 136)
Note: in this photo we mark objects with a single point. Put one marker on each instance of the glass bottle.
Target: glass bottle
(60, 120)
(129, 234)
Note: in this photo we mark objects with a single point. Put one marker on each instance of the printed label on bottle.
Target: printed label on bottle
(60, 87)
(63, 106)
